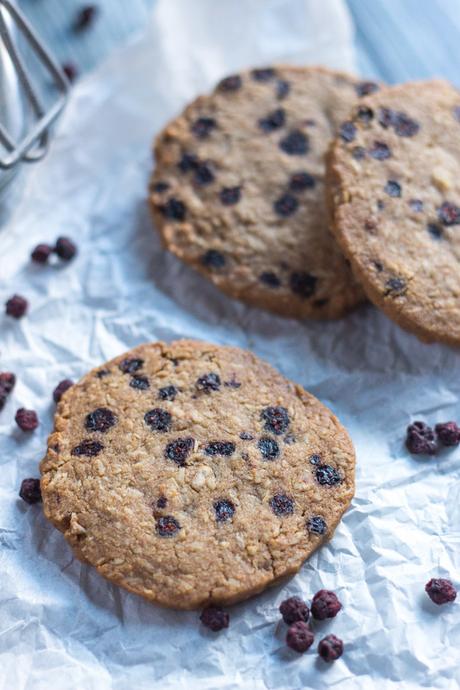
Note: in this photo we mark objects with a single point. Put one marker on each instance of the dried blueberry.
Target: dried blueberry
(282, 89)
(61, 388)
(139, 382)
(273, 120)
(293, 610)
(178, 450)
(27, 420)
(330, 648)
(208, 382)
(16, 306)
(358, 153)
(30, 491)
(404, 126)
(364, 88)
(203, 175)
(364, 114)
(213, 259)
(162, 502)
(224, 510)
(231, 83)
(325, 604)
(420, 439)
(347, 131)
(393, 188)
(449, 214)
(7, 381)
(303, 284)
(246, 436)
(167, 392)
(41, 253)
(88, 447)
(380, 151)
(395, 287)
(316, 525)
(160, 187)
(299, 637)
(270, 279)
(102, 373)
(220, 448)
(167, 526)
(286, 205)
(203, 126)
(263, 74)
(174, 209)
(189, 161)
(448, 433)
(130, 366)
(296, 143)
(102, 419)
(276, 419)
(282, 504)
(300, 181)
(441, 591)
(214, 618)
(435, 230)
(315, 459)
(326, 475)
(268, 447)
(65, 248)
(416, 205)
(230, 195)
(158, 419)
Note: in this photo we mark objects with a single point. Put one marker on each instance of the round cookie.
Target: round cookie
(238, 190)
(394, 193)
(194, 474)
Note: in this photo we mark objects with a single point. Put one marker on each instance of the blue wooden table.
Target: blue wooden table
(396, 40)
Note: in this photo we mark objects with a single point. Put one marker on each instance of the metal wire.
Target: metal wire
(34, 143)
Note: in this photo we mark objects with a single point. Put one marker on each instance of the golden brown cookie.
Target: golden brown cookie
(238, 190)
(394, 193)
(191, 473)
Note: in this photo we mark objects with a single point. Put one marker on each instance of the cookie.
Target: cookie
(194, 474)
(394, 193)
(238, 190)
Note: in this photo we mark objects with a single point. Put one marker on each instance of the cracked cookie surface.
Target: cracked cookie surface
(394, 193)
(238, 190)
(206, 485)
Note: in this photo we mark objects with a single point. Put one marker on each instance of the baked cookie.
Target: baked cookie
(194, 474)
(394, 192)
(238, 190)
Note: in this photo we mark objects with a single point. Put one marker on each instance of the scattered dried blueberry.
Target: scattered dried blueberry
(130, 366)
(203, 127)
(294, 610)
(327, 475)
(102, 419)
(364, 88)
(441, 591)
(416, 205)
(330, 648)
(208, 382)
(30, 491)
(178, 450)
(299, 637)
(214, 618)
(61, 388)
(449, 214)
(213, 259)
(270, 279)
(203, 175)
(189, 161)
(16, 306)
(325, 605)
(282, 504)
(316, 525)
(231, 83)
(347, 131)
(276, 419)
(27, 420)
(7, 381)
(263, 74)
(65, 248)
(268, 447)
(88, 448)
(286, 205)
(303, 284)
(70, 70)
(380, 151)
(300, 181)
(167, 392)
(395, 287)
(274, 120)
(296, 143)
(85, 17)
(435, 230)
(393, 188)
(174, 209)
(167, 526)
(41, 253)
(420, 439)
(282, 89)
(230, 195)
(224, 510)
(220, 448)
(448, 433)
(140, 383)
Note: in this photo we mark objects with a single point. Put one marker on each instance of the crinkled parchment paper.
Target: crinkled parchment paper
(62, 626)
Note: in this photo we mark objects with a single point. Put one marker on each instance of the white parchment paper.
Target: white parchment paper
(62, 627)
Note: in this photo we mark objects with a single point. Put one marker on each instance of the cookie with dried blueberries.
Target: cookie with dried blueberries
(238, 190)
(395, 208)
(214, 482)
